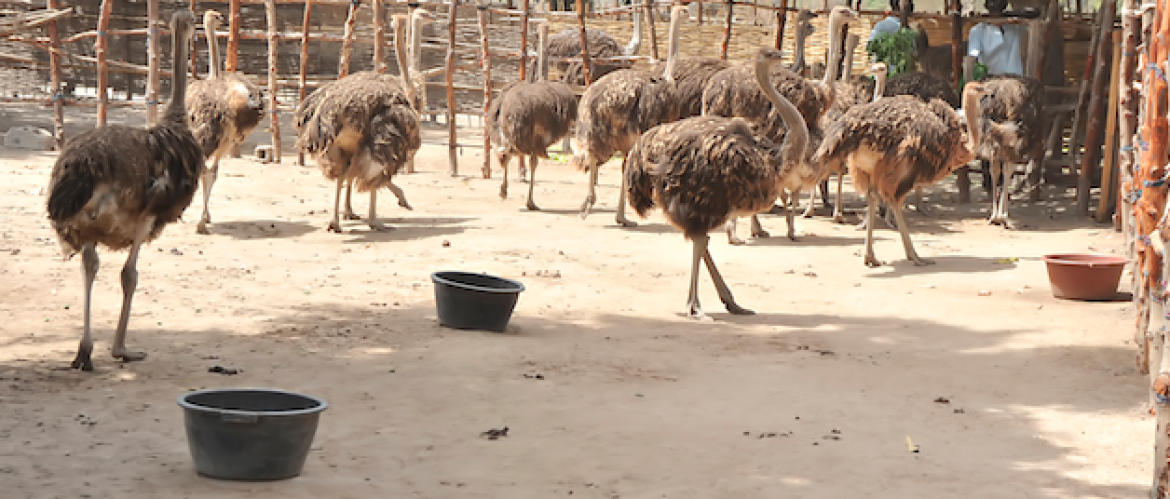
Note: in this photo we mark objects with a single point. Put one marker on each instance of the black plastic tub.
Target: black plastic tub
(250, 434)
(475, 301)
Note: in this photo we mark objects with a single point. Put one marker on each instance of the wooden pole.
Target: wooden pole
(649, 15)
(1108, 197)
(726, 29)
(101, 49)
(55, 76)
(781, 20)
(523, 53)
(586, 65)
(452, 134)
(486, 60)
(273, 73)
(152, 62)
(193, 67)
(956, 44)
(1079, 117)
(1093, 131)
(302, 88)
(347, 40)
(1127, 123)
(380, 39)
(233, 47)
(1151, 262)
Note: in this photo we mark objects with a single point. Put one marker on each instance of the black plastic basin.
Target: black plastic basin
(475, 301)
(250, 434)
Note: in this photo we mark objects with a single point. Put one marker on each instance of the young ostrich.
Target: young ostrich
(120, 186)
(703, 171)
(363, 129)
(1013, 129)
(617, 109)
(224, 109)
(528, 117)
(731, 93)
(847, 93)
(804, 29)
(896, 144)
(567, 43)
(691, 75)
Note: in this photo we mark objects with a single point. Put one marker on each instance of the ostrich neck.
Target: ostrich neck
(850, 46)
(971, 109)
(400, 58)
(797, 136)
(212, 50)
(672, 44)
(636, 38)
(801, 36)
(177, 109)
(415, 36)
(836, 25)
(542, 47)
(879, 86)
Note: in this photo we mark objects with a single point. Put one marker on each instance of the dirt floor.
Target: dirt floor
(1006, 391)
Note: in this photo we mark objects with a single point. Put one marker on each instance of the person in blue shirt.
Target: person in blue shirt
(891, 24)
(1000, 48)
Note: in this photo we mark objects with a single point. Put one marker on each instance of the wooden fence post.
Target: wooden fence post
(101, 48)
(646, 5)
(523, 47)
(380, 39)
(452, 134)
(233, 51)
(302, 87)
(781, 20)
(55, 75)
(1107, 199)
(726, 29)
(586, 65)
(1089, 162)
(1150, 262)
(486, 62)
(152, 61)
(347, 40)
(193, 67)
(1127, 114)
(956, 47)
(273, 86)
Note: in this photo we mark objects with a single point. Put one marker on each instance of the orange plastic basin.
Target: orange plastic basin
(1084, 276)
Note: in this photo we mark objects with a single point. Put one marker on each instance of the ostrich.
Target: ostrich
(703, 171)
(567, 43)
(804, 29)
(120, 186)
(224, 109)
(691, 75)
(897, 143)
(731, 93)
(363, 128)
(617, 109)
(1013, 130)
(528, 117)
(847, 93)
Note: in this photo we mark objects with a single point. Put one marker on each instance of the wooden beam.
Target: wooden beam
(726, 29)
(486, 60)
(302, 90)
(1093, 130)
(233, 47)
(452, 133)
(1108, 196)
(586, 65)
(273, 73)
(153, 54)
(55, 78)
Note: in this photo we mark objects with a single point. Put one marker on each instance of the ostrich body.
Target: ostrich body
(120, 186)
(527, 118)
(223, 109)
(923, 85)
(691, 76)
(734, 93)
(703, 171)
(363, 129)
(1013, 129)
(616, 110)
(567, 43)
(895, 144)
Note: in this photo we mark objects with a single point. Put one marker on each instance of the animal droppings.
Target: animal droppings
(942, 400)
(495, 434)
(223, 370)
(446, 243)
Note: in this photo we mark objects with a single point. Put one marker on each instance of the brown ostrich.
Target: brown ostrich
(732, 93)
(528, 117)
(897, 143)
(119, 186)
(224, 109)
(804, 29)
(691, 75)
(703, 171)
(567, 43)
(1012, 123)
(363, 129)
(617, 109)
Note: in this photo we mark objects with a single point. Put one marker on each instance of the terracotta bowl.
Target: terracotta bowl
(1084, 276)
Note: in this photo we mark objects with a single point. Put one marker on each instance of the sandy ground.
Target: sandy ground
(1007, 391)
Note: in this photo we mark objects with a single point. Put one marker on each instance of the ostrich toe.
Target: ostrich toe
(872, 261)
(738, 310)
(334, 227)
(201, 228)
(83, 361)
(532, 206)
(127, 355)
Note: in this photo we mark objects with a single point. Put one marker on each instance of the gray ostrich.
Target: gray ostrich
(119, 186)
(224, 109)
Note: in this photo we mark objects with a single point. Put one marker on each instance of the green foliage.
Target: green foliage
(894, 49)
(980, 73)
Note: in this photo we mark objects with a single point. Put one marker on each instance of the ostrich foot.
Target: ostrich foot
(201, 228)
(872, 261)
(587, 206)
(83, 361)
(696, 313)
(921, 262)
(735, 309)
(735, 240)
(334, 227)
(532, 206)
(1001, 220)
(838, 218)
(808, 212)
(761, 234)
(402, 202)
(350, 215)
(127, 355)
(380, 227)
(625, 222)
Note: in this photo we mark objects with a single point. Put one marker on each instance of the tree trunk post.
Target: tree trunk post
(273, 87)
(233, 49)
(302, 87)
(726, 29)
(523, 49)
(1108, 197)
(646, 5)
(152, 60)
(1093, 130)
(347, 40)
(102, 48)
(55, 75)
(452, 134)
(781, 20)
(380, 38)
(586, 65)
(486, 62)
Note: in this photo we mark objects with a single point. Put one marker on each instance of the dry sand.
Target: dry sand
(1007, 391)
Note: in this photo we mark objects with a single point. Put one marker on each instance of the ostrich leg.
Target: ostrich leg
(397, 192)
(535, 160)
(757, 229)
(999, 214)
(89, 267)
(621, 208)
(919, 206)
(505, 158)
(994, 178)
(129, 283)
(905, 230)
(790, 213)
(732, 237)
(209, 176)
(870, 213)
(373, 220)
(591, 198)
(335, 223)
(720, 286)
(812, 204)
(349, 214)
(699, 249)
(838, 213)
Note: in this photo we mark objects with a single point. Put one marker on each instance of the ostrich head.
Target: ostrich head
(838, 22)
(212, 20)
(878, 71)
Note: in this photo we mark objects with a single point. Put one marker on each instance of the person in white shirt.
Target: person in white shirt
(1000, 48)
(891, 24)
